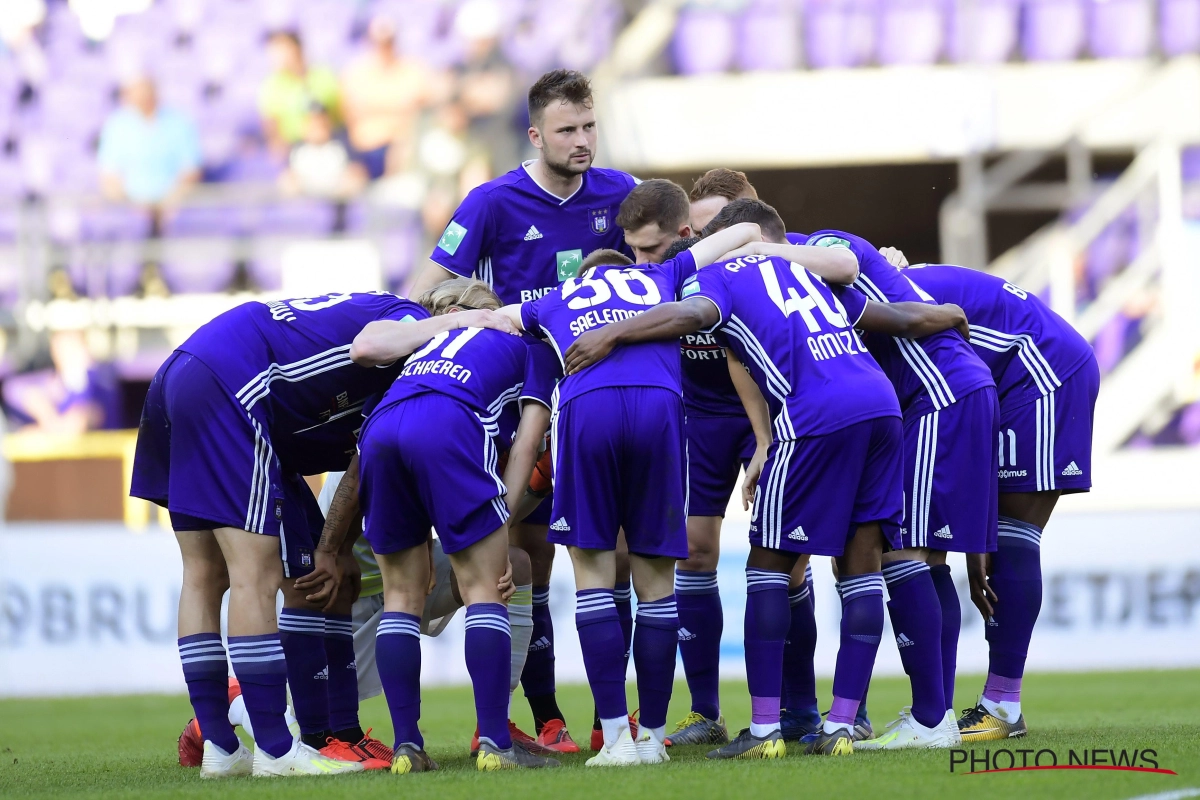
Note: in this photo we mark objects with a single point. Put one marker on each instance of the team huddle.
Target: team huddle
(592, 361)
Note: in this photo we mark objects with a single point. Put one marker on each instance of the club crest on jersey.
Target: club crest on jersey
(599, 220)
(278, 508)
(306, 558)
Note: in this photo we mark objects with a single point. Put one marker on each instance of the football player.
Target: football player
(523, 234)
(254, 399)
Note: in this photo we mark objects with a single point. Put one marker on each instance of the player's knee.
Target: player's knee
(522, 567)
(702, 556)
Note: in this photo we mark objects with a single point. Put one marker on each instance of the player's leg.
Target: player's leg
(655, 640)
(520, 616)
(343, 666)
(623, 598)
(800, 714)
(537, 677)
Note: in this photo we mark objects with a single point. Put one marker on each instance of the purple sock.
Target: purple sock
(654, 647)
(1000, 689)
(538, 676)
(768, 617)
(488, 642)
(343, 672)
(260, 668)
(207, 674)
(862, 627)
(1017, 579)
(302, 634)
(398, 654)
(799, 678)
(917, 623)
(943, 583)
(623, 598)
(701, 624)
(603, 644)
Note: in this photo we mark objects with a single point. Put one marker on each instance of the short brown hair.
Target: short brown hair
(720, 182)
(462, 292)
(559, 85)
(657, 200)
(747, 210)
(604, 258)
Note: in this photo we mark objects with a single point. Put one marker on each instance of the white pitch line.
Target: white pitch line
(1178, 794)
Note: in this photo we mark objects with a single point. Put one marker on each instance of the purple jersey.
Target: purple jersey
(798, 341)
(936, 369)
(708, 390)
(294, 357)
(611, 294)
(523, 241)
(1029, 349)
(485, 370)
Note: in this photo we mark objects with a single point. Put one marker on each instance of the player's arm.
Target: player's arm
(433, 274)
(531, 431)
(832, 264)
(711, 248)
(663, 322)
(385, 341)
(911, 320)
(512, 312)
(327, 573)
(760, 421)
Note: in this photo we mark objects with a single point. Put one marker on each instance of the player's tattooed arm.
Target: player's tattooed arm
(663, 322)
(913, 320)
(523, 455)
(328, 572)
(833, 264)
(386, 341)
(760, 421)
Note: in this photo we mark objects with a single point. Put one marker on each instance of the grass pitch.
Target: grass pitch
(125, 747)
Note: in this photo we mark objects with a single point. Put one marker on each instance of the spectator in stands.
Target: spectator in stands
(148, 155)
(320, 165)
(487, 85)
(289, 91)
(383, 95)
(76, 395)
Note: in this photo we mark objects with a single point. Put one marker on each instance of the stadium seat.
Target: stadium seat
(839, 33)
(1053, 30)
(1121, 28)
(1179, 26)
(983, 31)
(911, 32)
(704, 42)
(768, 37)
(197, 266)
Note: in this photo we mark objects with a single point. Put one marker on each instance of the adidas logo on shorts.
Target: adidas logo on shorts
(323, 675)
(560, 524)
(943, 532)
(532, 233)
(685, 635)
(798, 535)
(541, 644)
(1072, 469)
(904, 641)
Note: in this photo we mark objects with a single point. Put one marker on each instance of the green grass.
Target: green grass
(125, 747)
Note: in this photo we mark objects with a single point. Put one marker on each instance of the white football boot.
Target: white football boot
(906, 733)
(219, 764)
(622, 753)
(650, 750)
(300, 760)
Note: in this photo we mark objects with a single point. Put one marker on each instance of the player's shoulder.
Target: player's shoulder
(502, 187)
(830, 237)
(606, 181)
(392, 306)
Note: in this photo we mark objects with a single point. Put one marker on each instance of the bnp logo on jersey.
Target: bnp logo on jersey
(452, 237)
(831, 241)
(569, 262)
(599, 219)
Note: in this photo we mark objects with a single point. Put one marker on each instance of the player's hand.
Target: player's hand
(753, 472)
(894, 256)
(325, 578)
(979, 566)
(589, 348)
(485, 318)
(506, 585)
(964, 325)
(351, 586)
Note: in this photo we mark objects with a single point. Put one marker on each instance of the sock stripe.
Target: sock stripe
(1013, 529)
(808, 572)
(541, 595)
(659, 609)
(623, 593)
(758, 580)
(695, 582)
(591, 600)
(218, 657)
(798, 595)
(314, 627)
(202, 647)
(236, 650)
(861, 586)
(397, 623)
(500, 624)
(898, 572)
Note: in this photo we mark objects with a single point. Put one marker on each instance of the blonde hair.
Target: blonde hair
(459, 292)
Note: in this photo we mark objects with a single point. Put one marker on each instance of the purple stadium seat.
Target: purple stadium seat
(399, 254)
(983, 31)
(113, 222)
(1189, 424)
(768, 37)
(197, 267)
(839, 33)
(298, 218)
(1179, 26)
(206, 221)
(1109, 344)
(266, 264)
(704, 42)
(911, 31)
(1121, 28)
(1053, 30)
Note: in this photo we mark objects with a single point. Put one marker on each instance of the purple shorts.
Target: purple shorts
(949, 479)
(210, 463)
(815, 491)
(717, 448)
(428, 462)
(1047, 444)
(619, 463)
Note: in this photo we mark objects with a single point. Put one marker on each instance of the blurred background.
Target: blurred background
(164, 160)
